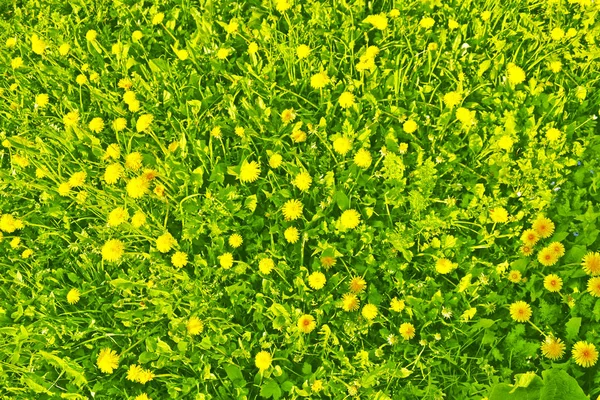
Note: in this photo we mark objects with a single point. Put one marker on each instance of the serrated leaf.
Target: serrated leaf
(270, 389)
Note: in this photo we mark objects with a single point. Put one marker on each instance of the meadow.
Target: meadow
(285, 199)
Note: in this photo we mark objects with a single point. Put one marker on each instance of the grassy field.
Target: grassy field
(285, 199)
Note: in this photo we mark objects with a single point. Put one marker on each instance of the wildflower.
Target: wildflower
(328, 262)
(263, 360)
(505, 142)
(316, 280)
(557, 248)
(144, 122)
(346, 100)
(585, 354)
(350, 219)
(409, 126)
(292, 210)
(179, 259)
(73, 296)
(557, 34)
(9, 224)
(249, 171)
(137, 187)
(515, 74)
(112, 173)
(302, 181)
(591, 263)
(64, 189)
(81, 79)
(41, 100)
(158, 18)
(142, 396)
(397, 305)
(16, 62)
(77, 179)
(452, 99)
(468, 314)
(137, 35)
(235, 240)
(266, 265)
(239, 131)
(26, 253)
(547, 257)
(499, 215)
(108, 360)
(133, 161)
(444, 266)
(342, 145)
(133, 372)
(362, 158)
(530, 237)
(252, 48)
(288, 115)
(275, 160)
(378, 21)
(514, 276)
(553, 283)
(298, 136)
(302, 51)
(64, 49)
(223, 54)
(555, 66)
(38, 46)
(91, 35)
(291, 234)
(552, 348)
(453, 24)
(357, 284)
(427, 23)
(369, 311)
(138, 219)
(553, 134)
(282, 5)
(194, 326)
(165, 242)
(113, 250)
(319, 80)
(71, 118)
(350, 302)
(306, 323)
(317, 386)
(520, 311)
(226, 260)
(486, 15)
(117, 216)
(544, 227)
(407, 330)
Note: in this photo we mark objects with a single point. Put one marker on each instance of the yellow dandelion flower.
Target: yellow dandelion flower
(266, 265)
(306, 323)
(249, 171)
(317, 280)
(520, 311)
(275, 160)
(27, 253)
(547, 257)
(557, 34)
(226, 260)
(346, 100)
(593, 286)
(444, 266)
(515, 74)
(108, 360)
(397, 305)
(282, 5)
(369, 311)
(553, 283)
(138, 220)
(137, 187)
(585, 354)
(235, 240)
(514, 276)
(77, 179)
(362, 158)
(42, 100)
(113, 250)
(179, 259)
(407, 331)
(263, 360)
(530, 237)
(38, 46)
(112, 173)
(357, 284)
(410, 126)
(526, 250)
(427, 23)
(591, 263)
(317, 386)
(158, 18)
(133, 161)
(194, 326)
(328, 261)
(222, 54)
(553, 134)
(144, 122)
(292, 210)
(557, 248)
(499, 215)
(379, 21)
(133, 372)
(117, 216)
(452, 99)
(291, 234)
(319, 80)
(350, 302)
(288, 115)
(342, 145)
(302, 51)
(552, 348)
(350, 219)
(73, 296)
(64, 189)
(543, 226)
(142, 396)
(165, 242)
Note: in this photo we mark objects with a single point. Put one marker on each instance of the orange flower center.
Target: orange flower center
(306, 322)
